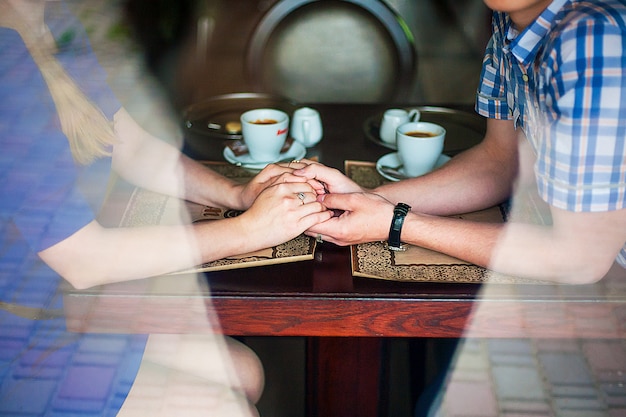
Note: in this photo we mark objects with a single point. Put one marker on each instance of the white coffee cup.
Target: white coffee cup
(419, 155)
(392, 118)
(306, 126)
(264, 132)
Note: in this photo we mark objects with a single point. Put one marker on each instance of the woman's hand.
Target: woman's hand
(281, 212)
(271, 175)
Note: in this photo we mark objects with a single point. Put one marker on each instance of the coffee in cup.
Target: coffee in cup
(419, 146)
(264, 122)
(264, 132)
(419, 134)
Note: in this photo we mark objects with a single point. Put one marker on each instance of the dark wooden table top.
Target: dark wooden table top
(322, 298)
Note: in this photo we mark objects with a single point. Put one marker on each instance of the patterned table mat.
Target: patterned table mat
(416, 264)
(150, 208)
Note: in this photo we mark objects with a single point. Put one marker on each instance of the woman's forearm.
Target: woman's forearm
(154, 164)
(96, 255)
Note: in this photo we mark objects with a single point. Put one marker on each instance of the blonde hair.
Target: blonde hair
(89, 133)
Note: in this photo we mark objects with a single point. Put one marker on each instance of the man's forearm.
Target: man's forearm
(575, 251)
(467, 183)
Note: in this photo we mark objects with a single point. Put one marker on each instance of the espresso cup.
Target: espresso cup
(306, 126)
(264, 132)
(392, 118)
(419, 146)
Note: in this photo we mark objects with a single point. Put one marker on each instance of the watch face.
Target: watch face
(399, 213)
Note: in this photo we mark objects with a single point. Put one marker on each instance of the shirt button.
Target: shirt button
(525, 78)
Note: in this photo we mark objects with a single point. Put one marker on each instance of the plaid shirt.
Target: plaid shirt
(563, 81)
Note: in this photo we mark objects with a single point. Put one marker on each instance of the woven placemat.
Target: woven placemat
(150, 208)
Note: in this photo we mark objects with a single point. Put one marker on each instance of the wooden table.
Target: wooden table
(346, 318)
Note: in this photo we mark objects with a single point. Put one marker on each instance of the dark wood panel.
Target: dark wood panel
(343, 376)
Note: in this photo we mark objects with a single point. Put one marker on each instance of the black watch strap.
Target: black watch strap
(399, 213)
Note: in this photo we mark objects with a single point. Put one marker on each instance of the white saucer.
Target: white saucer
(296, 151)
(392, 160)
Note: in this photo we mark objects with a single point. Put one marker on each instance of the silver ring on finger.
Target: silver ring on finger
(301, 196)
(319, 238)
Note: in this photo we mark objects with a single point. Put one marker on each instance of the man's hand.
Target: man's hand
(366, 217)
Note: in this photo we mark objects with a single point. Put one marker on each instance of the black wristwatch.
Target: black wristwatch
(399, 213)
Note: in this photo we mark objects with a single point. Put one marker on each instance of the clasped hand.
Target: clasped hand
(334, 208)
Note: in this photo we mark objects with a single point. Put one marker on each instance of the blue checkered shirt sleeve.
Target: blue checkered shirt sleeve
(491, 98)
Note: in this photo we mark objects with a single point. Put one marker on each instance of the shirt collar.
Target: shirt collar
(525, 45)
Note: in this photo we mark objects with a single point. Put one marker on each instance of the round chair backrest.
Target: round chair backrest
(332, 51)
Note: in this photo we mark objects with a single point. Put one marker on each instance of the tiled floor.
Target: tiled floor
(59, 377)
(495, 377)
(538, 377)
